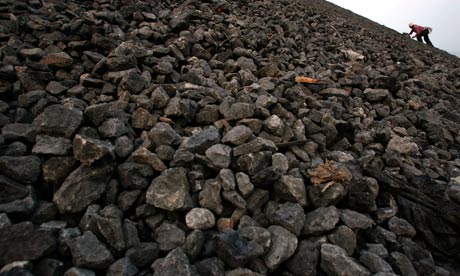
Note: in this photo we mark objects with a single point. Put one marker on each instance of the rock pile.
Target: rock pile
(170, 137)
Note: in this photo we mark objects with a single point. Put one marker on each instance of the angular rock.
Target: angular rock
(321, 220)
(235, 250)
(291, 189)
(355, 220)
(344, 237)
(51, 145)
(203, 140)
(335, 261)
(25, 169)
(88, 150)
(170, 190)
(123, 266)
(237, 135)
(83, 186)
(23, 241)
(282, 247)
(89, 252)
(374, 262)
(220, 155)
(144, 156)
(288, 215)
(59, 120)
(175, 263)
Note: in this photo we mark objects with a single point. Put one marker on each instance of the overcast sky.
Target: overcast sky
(442, 15)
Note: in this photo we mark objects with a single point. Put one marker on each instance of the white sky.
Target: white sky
(442, 15)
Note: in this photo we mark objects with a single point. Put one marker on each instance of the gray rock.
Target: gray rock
(4, 220)
(377, 249)
(133, 175)
(321, 220)
(256, 145)
(376, 95)
(159, 98)
(48, 266)
(283, 246)
(19, 131)
(235, 199)
(88, 150)
(208, 114)
(291, 189)
(122, 267)
(332, 196)
(280, 162)
(211, 266)
(170, 190)
(143, 254)
(164, 134)
(258, 234)
(334, 261)
(227, 179)
(220, 155)
(83, 186)
(374, 262)
(100, 113)
(78, 271)
(200, 218)
(123, 146)
(56, 169)
(245, 187)
(111, 230)
(11, 190)
(142, 119)
(239, 111)
(55, 87)
(305, 260)
(344, 237)
(235, 250)
(169, 236)
(241, 272)
(175, 263)
(25, 169)
(401, 227)
(209, 197)
(288, 215)
(59, 120)
(200, 142)
(402, 264)
(23, 241)
(194, 244)
(89, 252)
(126, 199)
(144, 156)
(355, 220)
(51, 145)
(59, 59)
(237, 135)
(112, 128)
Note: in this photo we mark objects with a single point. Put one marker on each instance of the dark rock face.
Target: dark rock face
(176, 138)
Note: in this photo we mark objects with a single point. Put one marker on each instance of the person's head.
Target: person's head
(411, 25)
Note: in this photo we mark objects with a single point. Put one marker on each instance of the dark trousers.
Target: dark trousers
(424, 34)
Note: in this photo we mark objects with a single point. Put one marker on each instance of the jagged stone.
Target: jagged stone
(335, 261)
(89, 252)
(235, 250)
(82, 187)
(175, 263)
(59, 120)
(88, 150)
(25, 169)
(321, 220)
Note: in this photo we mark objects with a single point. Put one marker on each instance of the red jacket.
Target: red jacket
(417, 29)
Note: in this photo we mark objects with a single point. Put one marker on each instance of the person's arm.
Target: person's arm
(411, 31)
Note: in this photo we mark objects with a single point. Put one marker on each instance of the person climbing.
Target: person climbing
(421, 32)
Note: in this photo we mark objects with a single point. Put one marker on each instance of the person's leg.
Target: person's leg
(419, 38)
(424, 34)
(427, 40)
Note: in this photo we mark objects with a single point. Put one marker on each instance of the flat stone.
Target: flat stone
(25, 169)
(51, 145)
(59, 120)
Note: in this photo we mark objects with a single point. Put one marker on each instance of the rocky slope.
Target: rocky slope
(171, 137)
